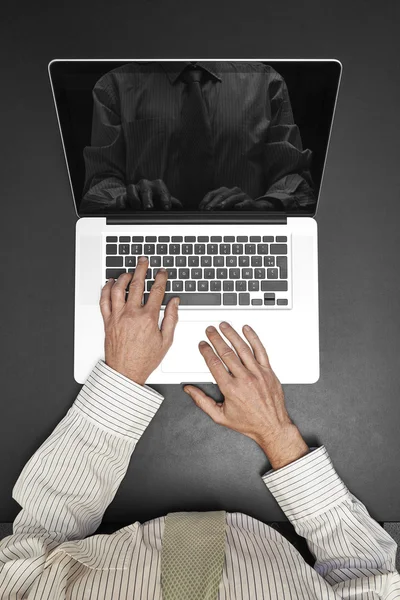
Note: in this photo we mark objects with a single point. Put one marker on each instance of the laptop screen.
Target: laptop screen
(195, 137)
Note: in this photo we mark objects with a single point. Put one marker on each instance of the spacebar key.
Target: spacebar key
(192, 299)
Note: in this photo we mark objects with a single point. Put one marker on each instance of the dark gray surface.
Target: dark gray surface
(184, 461)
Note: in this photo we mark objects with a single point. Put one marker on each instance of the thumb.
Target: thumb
(170, 320)
(208, 405)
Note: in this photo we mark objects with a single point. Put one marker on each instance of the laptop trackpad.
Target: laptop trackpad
(184, 355)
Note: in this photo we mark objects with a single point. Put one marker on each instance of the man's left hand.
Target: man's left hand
(227, 199)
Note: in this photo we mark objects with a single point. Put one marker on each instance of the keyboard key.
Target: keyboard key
(111, 249)
(187, 248)
(216, 238)
(149, 249)
(199, 249)
(137, 238)
(218, 261)
(281, 262)
(242, 238)
(177, 286)
(163, 238)
(281, 238)
(114, 273)
(253, 286)
(268, 238)
(272, 273)
(262, 248)
(192, 299)
(130, 261)
(237, 248)
(234, 273)
(114, 261)
(230, 299)
(269, 301)
(168, 286)
(206, 261)
(172, 273)
(174, 249)
(202, 286)
(168, 261)
(278, 249)
(259, 273)
(255, 238)
(215, 286)
(196, 273)
(148, 274)
(184, 273)
(247, 273)
(203, 238)
(190, 238)
(240, 286)
(135, 249)
(244, 261)
(151, 238)
(225, 248)
(149, 284)
(231, 261)
(190, 286)
(124, 239)
(155, 261)
(124, 249)
(209, 273)
(222, 273)
(228, 286)
(274, 286)
(269, 296)
(244, 299)
(269, 261)
(256, 261)
(111, 238)
(177, 238)
(250, 248)
(162, 248)
(180, 261)
(193, 261)
(229, 238)
(282, 302)
(212, 248)
(256, 302)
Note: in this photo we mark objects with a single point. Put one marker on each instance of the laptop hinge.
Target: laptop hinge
(216, 219)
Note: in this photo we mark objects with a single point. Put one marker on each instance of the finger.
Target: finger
(218, 199)
(232, 200)
(175, 203)
(207, 404)
(209, 196)
(260, 352)
(164, 194)
(157, 291)
(170, 321)
(245, 205)
(118, 291)
(105, 299)
(136, 287)
(225, 352)
(243, 350)
(133, 197)
(146, 194)
(215, 365)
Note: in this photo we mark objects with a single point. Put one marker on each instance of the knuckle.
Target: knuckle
(226, 352)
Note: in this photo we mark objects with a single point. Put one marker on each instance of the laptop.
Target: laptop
(212, 169)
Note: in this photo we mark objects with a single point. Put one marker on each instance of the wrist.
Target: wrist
(285, 447)
(129, 373)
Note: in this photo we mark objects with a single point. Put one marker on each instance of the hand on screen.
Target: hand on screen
(151, 195)
(227, 199)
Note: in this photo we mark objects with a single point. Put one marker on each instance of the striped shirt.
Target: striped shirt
(136, 134)
(66, 486)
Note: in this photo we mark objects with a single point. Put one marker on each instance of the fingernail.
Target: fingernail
(247, 327)
(161, 270)
(186, 389)
(142, 259)
(177, 300)
(111, 279)
(203, 343)
(224, 325)
(210, 329)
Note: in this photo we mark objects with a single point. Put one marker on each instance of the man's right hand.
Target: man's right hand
(254, 403)
(151, 195)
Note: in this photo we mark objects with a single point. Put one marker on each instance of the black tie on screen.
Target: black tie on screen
(195, 163)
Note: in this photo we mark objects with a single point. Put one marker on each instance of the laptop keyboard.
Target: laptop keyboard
(208, 271)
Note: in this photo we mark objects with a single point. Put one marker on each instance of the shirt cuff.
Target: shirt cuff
(307, 487)
(115, 402)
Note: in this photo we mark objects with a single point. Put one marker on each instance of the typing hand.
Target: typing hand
(254, 403)
(227, 199)
(134, 343)
(151, 195)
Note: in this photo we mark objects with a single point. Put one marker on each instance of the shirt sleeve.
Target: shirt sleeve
(66, 486)
(353, 552)
(105, 177)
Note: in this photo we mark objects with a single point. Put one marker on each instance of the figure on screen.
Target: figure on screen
(195, 136)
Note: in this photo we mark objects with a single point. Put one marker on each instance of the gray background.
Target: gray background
(184, 461)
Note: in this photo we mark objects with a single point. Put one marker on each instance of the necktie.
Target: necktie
(193, 554)
(195, 142)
